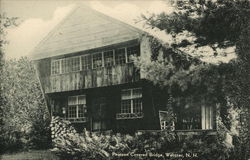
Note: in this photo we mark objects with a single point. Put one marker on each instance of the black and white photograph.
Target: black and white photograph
(125, 79)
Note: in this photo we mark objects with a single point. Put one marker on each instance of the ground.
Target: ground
(30, 155)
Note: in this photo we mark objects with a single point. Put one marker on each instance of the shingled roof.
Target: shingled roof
(84, 29)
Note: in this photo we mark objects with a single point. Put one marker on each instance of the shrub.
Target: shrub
(68, 144)
(10, 140)
(39, 136)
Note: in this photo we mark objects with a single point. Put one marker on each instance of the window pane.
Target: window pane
(189, 118)
(108, 58)
(126, 106)
(72, 111)
(135, 50)
(86, 62)
(65, 65)
(75, 61)
(136, 93)
(137, 105)
(72, 100)
(126, 94)
(81, 111)
(97, 60)
(120, 57)
(55, 67)
(81, 99)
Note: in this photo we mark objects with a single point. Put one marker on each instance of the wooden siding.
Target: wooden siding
(105, 76)
(81, 30)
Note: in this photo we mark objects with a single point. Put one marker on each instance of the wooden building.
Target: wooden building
(87, 76)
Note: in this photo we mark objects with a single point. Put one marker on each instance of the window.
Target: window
(131, 104)
(120, 56)
(135, 50)
(131, 101)
(74, 64)
(97, 60)
(93, 61)
(77, 107)
(55, 67)
(86, 62)
(189, 118)
(71, 64)
(66, 65)
(108, 58)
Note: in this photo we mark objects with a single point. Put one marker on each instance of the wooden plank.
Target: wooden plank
(118, 74)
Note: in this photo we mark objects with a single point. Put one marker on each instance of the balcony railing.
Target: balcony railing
(129, 115)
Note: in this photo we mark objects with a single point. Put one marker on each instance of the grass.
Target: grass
(30, 155)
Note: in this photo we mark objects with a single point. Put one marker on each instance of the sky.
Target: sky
(38, 17)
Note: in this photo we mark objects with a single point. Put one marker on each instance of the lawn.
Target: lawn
(30, 155)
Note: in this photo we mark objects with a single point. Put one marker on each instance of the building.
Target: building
(87, 76)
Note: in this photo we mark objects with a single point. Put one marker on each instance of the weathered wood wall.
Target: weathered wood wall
(101, 77)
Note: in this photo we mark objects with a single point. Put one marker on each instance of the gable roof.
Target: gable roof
(81, 30)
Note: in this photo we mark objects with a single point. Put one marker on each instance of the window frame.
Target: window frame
(92, 57)
(54, 61)
(89, 59)
(125, 56)
(204, 120)
(131, 46)
(77, 105)
(113, 58)
(131, 99)
(70, 64)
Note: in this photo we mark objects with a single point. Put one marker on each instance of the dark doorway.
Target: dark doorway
(99, 114)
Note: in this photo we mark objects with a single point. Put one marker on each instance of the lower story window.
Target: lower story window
(131, 104)
(77, 108)
(189, 118)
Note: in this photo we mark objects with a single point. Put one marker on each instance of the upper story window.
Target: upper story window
(97, 60)
(55, 67)
(74, 64)
(108, 58)
(132, 51)
(65, 65)
(120, 56)
(86, 62)
(77, 107)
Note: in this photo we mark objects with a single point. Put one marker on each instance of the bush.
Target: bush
(10, 140)
(40, 137)
(68, 144)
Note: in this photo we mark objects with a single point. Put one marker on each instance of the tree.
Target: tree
(24, 109)
(217, 24)
(22, 106)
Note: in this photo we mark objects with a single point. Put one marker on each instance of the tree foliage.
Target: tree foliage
(212, 22)
(24, 116)
(24, 110)
(218, 24)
